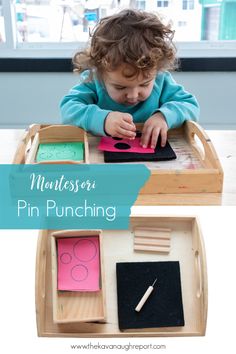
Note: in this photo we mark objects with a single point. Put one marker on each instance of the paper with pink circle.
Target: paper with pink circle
(123, 145)
(78, 262)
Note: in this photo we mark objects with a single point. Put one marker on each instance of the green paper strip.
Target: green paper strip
(60, 151)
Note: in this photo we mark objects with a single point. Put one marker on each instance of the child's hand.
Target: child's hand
(153, 127)
(120, 125)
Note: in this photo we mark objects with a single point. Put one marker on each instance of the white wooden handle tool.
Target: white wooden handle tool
(145, 296)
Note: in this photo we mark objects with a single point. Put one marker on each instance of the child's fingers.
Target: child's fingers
(126, 134)
(146, 135)
(127, 117)
(154, 138)
(163, 137)
(128, 126)
(129, 120)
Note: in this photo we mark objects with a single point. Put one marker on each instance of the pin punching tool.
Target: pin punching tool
(145, 296)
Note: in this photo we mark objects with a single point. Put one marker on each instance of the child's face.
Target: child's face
(128, 91)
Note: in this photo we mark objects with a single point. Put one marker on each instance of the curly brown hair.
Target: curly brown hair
(132, 37)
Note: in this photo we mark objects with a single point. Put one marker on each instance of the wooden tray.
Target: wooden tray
(37, 134)
(74, 306)
(197, 168)
(186, 247)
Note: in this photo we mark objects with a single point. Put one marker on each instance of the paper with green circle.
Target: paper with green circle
(60, 151)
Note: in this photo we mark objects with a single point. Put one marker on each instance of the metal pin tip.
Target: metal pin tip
(154, 282)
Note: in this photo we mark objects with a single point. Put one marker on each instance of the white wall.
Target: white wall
(27, 98)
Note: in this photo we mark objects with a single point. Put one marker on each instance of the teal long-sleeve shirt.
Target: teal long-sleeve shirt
(88, 104)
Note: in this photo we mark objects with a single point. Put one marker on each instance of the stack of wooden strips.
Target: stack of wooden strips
(152, 239)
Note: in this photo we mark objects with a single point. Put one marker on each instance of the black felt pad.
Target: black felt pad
(161, 154)
(163, 308)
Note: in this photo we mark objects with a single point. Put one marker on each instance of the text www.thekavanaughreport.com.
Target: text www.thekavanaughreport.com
(125, 347)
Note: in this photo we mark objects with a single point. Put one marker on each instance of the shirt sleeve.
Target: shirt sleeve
(80, 108)
(176, 104)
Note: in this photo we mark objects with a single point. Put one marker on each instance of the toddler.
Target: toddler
(124, 79)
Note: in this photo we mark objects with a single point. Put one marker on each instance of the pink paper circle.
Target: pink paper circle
(80, 247)
(79, 272)
(65, 258)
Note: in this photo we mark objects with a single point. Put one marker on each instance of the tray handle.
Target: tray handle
(205, 149)
(199, 274)
(28, 135)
